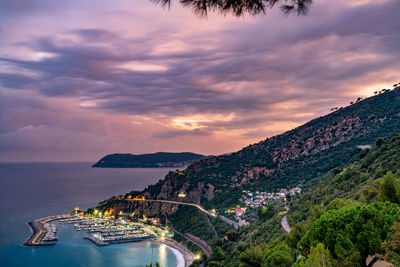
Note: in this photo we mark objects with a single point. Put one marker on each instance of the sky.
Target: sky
(82, 79)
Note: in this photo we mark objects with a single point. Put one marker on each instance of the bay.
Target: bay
(33, 190)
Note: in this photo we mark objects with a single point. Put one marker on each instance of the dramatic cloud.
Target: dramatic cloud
(83, 80)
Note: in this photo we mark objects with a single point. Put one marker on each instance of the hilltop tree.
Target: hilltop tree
(241, 7)
(352, 233)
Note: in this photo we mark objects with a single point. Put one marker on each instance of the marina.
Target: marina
(101, 231)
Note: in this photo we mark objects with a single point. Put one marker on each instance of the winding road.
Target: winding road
(285, 224)
(177, 203)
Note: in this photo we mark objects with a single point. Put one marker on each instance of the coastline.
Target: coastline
(183, 256)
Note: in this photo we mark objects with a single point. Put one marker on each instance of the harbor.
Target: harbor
(100, 231)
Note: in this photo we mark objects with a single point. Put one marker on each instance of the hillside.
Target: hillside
(322, 156)
(296, 157)
(358, 180)
(357, 183)
(155, 160)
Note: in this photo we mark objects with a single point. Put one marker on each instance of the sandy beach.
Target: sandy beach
(183, 256)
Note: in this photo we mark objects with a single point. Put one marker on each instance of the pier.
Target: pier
(97, 241)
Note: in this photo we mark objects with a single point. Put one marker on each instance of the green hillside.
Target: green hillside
(359, 180)
(297, 157)
(326, 158)
(357, 187)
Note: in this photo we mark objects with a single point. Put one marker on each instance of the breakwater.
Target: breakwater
(43, 232)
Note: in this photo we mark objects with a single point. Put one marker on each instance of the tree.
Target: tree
(218, 253)
(295, 234)
(339, 203)
(389, 189)
(379, 142)
(392, 245)
(253, 256)
(351, 233)
(265, 214)
(319, 257)
(212, 264)
(241, 7)
(369, 193)
(232, 235)
(279, 255)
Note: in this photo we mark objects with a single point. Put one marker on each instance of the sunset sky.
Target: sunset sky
(81, 79)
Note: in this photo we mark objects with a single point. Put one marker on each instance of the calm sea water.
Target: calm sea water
(33, 190)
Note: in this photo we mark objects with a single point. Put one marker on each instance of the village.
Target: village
(251, 201)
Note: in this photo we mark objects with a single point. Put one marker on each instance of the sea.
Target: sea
(34, 190)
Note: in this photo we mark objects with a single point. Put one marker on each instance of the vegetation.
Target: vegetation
(351, 233)
(278, 255)
(392, 245)
(253, 256)
(268, 213)
(350, 201)
(359, 180)
(319, 257)
(311, 150)
(337, 222)
(242, 7)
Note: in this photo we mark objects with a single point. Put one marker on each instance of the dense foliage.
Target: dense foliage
(351, 233)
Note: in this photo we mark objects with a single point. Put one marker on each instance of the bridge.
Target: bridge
(175, 202)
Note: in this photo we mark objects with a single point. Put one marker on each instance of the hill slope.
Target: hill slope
(295, 157)
(301, 156)
(357, 181)
(159, 159)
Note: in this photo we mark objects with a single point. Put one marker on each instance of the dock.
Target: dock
(97, 241)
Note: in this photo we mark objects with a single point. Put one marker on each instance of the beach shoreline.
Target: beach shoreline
(183, 256)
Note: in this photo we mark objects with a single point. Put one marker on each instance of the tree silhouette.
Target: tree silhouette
(241, 7)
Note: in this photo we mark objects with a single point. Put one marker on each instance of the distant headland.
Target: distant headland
(155, 160)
